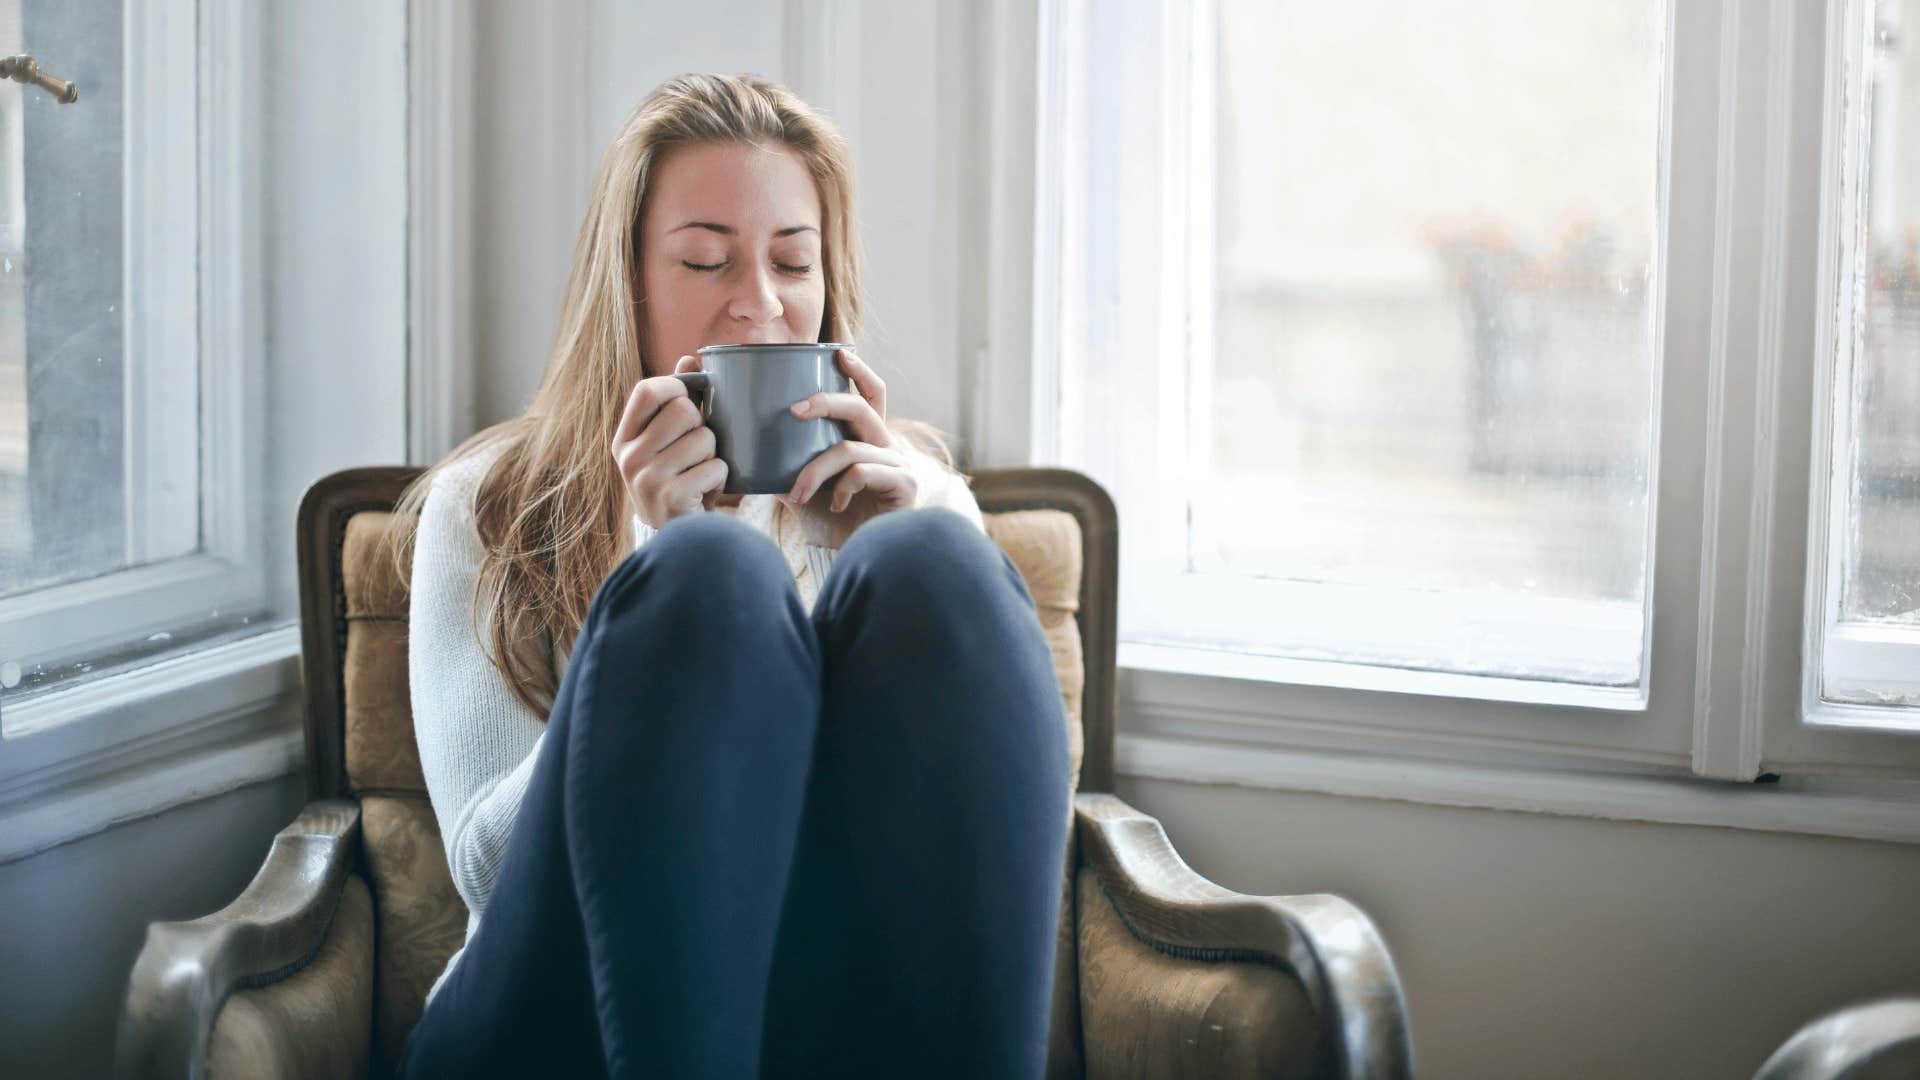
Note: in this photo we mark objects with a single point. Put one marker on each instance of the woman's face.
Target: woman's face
(729, 251)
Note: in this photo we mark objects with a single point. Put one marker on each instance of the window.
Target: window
(204, 311)
(124, 540)
(1454, 369)
(1872, 618)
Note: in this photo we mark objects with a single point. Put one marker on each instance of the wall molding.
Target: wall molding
(821, 46)
(1011, 382)
(1865, 810)
(150, 740)
(1748, 309)
(440, 168)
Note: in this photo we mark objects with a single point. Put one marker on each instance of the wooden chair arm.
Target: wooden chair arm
(1880, 1038)
(1328, 943)
(186, 970)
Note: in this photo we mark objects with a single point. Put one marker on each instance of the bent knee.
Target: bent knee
(705, 556)
(927, 544)
(925, 528)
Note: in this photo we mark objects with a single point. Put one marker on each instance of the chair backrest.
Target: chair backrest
(1057, 526)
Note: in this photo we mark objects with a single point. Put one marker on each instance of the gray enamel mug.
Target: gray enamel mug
(746, 394)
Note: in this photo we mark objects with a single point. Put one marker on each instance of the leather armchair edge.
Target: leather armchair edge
(186, 970)
(1329, 944)
(1882, 1034)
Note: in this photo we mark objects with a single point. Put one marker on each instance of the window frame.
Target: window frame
(189, 471)
(1833, 735)
(1730, 512)
(196, 722)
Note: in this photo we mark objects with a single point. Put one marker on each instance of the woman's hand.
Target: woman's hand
(665, 454)
(856, 478)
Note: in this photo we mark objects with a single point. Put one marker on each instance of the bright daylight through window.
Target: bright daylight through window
(129, 530)
(1873, 636)
(1403, 415)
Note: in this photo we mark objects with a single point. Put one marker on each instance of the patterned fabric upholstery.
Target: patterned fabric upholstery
(1045, 547)
(381, 754)
(1148, 1014)
(421, 919)
(290, 1029)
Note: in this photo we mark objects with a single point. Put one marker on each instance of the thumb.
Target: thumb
(687, 363)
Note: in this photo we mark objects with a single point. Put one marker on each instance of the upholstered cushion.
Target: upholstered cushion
(1064, 1059)
(381, 753)
(1045, 547)
(313, 1023)
(421, 919)
(1144, 1013)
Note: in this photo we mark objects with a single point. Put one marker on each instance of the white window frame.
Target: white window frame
(195, 722)
(1855, 658)
(1722, 697)
(193, 396)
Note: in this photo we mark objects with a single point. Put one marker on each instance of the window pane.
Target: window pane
(1881, 546)
(63, 491)
(16, 539)
(1433, 357)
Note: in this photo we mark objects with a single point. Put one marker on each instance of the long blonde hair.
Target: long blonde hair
(551, 509)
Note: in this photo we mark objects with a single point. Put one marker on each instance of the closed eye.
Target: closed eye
(785, 268)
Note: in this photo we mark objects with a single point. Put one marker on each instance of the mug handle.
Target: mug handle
(700, 384)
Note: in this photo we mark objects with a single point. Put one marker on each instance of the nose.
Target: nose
(755, 302)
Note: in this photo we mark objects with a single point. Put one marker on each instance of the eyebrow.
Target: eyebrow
(727, 230)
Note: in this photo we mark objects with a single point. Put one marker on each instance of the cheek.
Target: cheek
(673, 328)
(806, 305)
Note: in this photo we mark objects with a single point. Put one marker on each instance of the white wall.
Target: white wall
(333, 190)
(1530, 945)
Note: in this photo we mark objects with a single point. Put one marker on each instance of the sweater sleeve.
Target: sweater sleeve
(478, 743)
(941, 486)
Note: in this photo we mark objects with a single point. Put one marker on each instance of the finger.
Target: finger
(646, 398)
(855, 410)
(865, 380)
(893, 484)
(692, 487)
(669, 423)
(685, 452)
(687, 363)
(829, 462)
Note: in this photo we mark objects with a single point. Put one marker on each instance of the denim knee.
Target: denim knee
(929, 555)
(709, 560)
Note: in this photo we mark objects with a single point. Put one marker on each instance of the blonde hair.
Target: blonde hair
(551, 510)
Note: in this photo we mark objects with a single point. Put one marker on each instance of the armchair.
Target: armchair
(321, 966)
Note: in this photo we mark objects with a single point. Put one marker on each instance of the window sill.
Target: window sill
(1865, 810)
(1219, 663)
(80, 761)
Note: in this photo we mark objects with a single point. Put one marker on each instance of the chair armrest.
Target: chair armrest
(186, 970)
(1328, 944)
(1880, 1038)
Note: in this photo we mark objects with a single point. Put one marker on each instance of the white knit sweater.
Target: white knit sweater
(478, 743)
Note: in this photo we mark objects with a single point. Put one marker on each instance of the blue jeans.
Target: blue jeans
(762, 843)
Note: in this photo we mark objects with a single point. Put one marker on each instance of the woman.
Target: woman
(734, 784)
